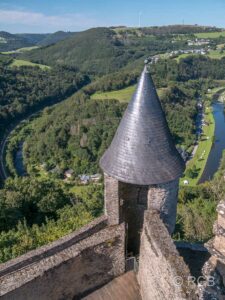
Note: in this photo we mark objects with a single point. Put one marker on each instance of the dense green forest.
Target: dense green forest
(178, 29)
(27, 89)
(189, 68)
(35, 212)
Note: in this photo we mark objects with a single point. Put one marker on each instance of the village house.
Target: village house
(68, 173)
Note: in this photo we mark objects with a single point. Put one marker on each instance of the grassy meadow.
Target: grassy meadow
(21, 63)
(210, 35)
(123, 95)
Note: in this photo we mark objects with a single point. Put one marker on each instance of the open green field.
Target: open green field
(22, 63)
(216, 54)
(21, 50)
(178, 58)
(123, 95)
(205, 144)
(210, 35)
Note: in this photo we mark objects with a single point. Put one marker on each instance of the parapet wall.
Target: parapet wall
(214, 269)
(162, 272)
(67, 268)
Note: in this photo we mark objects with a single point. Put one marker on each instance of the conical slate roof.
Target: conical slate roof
(142, 151)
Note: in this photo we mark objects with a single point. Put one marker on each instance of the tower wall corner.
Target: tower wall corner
(163, 198)
(162, 272)
(111, 202)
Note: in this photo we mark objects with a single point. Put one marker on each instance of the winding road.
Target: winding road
(3, 171)
(3, 143)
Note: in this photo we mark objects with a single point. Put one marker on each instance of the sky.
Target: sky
(43, 16)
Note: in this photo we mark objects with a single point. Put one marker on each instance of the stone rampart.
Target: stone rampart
(67, 268)
(162, 272)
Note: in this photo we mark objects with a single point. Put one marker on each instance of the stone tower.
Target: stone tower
(142, 165)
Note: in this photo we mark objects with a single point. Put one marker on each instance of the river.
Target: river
(215, 155)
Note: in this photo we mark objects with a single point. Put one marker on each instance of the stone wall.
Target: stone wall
(163, 197)
(112, 205)
(162, 272)
(68, 268)
(213, 286)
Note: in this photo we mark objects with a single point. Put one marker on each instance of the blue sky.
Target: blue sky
(75, 15)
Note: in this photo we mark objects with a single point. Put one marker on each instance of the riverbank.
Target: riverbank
(196, 165)
(215, 156)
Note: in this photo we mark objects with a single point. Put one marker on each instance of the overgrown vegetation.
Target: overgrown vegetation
(35, 212)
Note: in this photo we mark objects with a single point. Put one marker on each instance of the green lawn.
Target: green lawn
(21, 63)
(123, 95)
(204, 148)
(210, 35)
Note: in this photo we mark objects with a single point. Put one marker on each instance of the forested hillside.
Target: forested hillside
(10, 41)
(26, 89)
(53, 38)
(101, 50)
(169, 30)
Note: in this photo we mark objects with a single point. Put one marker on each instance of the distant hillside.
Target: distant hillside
(53, 38)
(100, 51)
(95, 50)
(177, 29)
(34, 38)
(10, 41)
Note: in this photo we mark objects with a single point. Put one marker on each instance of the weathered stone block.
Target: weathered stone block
(163, 198)
(112, 204)
(162, 272)
(221, 221)
(219, 244)
(221, 208)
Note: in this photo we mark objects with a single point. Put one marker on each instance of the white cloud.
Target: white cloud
(73, 21)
